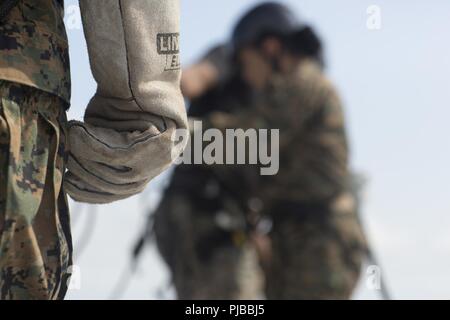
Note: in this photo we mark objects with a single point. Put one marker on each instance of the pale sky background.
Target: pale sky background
(395, 83)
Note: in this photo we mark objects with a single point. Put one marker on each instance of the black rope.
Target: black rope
(87, 232)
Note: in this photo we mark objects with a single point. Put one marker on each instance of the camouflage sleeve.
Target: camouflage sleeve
(313, 142)
(231, 176)
(34, 49)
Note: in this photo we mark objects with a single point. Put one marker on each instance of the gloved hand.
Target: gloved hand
(126, 137)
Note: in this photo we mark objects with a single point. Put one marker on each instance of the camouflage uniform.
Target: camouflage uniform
(35, 242)
(188, 236)
(316, 243)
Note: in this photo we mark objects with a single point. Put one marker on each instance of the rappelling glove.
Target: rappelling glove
(127, 137)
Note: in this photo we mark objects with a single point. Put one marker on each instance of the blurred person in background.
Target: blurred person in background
(206, 256)
(271, 77)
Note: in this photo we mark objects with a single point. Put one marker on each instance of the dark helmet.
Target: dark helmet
(276, 19)
(267, 18)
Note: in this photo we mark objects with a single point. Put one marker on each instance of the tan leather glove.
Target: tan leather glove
(127, 135)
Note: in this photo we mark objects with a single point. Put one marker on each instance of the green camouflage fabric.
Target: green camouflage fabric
(317, 243)
(206, 260)
(316, 246)
(195, 249)
(35, 243)
(33, 47)
(316, 254)
(313, 141)
(188, 237)
(306, 109)
(308, 258)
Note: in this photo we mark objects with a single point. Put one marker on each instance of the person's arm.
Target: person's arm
(212, 70)
(126, 137)
(198, 79)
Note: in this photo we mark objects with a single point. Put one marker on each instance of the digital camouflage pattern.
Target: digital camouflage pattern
(309, 257)
(35, 243)
(313, 141)
(33, 47)
(196, 250)
(207, 259)
(317, 243)
(316, 246)
(306, 109)
(315, 253)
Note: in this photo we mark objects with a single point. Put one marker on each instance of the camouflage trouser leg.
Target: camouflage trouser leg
(315, 259)
(204, 261)
(35, 244)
